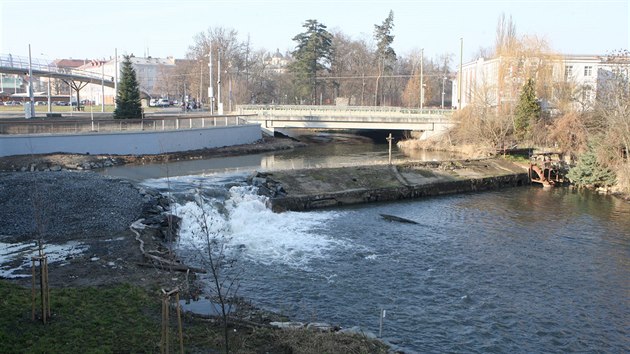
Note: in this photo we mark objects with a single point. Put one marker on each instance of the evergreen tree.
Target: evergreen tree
(312, 54)
(128, 96)
(385, 54)
(589, 173)
(527, 111)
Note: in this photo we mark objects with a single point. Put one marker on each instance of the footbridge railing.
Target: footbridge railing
(12, 64)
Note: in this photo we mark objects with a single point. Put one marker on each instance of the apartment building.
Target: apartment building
(151, 73)
(497, 81)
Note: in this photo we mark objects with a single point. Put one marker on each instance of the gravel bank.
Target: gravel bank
(65, 205)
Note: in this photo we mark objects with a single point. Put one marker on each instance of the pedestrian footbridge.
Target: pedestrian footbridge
(271, 117)
(12, 64)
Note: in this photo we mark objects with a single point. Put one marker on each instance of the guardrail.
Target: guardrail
(56, 126)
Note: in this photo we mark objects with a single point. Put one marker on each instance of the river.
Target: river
(519, 270)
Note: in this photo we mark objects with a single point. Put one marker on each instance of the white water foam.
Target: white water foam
(251, 228)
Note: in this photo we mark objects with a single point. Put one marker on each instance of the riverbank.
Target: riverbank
(58, 162)
(331, 187)
(98, 269)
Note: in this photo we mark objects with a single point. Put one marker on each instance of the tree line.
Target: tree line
(323, 67)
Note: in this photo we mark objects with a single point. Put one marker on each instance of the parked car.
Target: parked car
(13, 103)
(61, 103)
(153, 102)
(163, 102)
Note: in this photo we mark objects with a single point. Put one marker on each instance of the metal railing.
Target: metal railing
(17, 62)
(341, 110)
(60, 126)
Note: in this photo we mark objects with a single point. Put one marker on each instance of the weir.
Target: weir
(306, 189)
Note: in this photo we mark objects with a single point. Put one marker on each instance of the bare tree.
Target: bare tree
(613, 110)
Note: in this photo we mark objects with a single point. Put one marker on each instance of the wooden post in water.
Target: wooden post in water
(389, 141)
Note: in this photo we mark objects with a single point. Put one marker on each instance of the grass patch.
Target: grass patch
(126, 319)
(104, 320)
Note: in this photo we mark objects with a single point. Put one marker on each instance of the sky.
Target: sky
(91, 29)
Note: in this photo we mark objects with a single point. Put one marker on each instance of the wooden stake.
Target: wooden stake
(33, 287)
(179, 323)
(47, 286)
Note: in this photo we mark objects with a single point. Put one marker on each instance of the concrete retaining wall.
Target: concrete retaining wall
(361, 196)
(130, 143)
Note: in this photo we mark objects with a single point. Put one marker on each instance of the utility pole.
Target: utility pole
(200, 82)
(459, 79)
(211, 84)
(103, 85)
(443, 92)
(421, 79)
(115, 77)
(219, 103)
(30, 109)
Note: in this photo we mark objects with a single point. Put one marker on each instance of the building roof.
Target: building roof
(70, 63)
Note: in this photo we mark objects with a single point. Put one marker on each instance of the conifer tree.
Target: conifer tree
(128, 96)
(527, 111)
(385, 54)
(313, 54)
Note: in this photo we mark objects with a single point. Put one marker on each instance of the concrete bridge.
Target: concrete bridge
(271, 117)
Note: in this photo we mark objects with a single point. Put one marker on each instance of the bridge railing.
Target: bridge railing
(87, 125)
(41, 65)
(363, 110)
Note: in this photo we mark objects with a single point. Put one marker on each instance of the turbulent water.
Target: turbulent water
(519, 270)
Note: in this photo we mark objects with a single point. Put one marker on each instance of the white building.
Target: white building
(150, 72)
(481, 79)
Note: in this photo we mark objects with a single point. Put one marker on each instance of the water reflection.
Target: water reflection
(325, 150)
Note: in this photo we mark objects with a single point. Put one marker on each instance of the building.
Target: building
(152, 75)
(495, 82)
(277, 63)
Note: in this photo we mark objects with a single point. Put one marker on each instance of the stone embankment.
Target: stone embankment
(330, 187)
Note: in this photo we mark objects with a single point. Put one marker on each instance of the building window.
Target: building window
(588, 70)
(568, 71)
